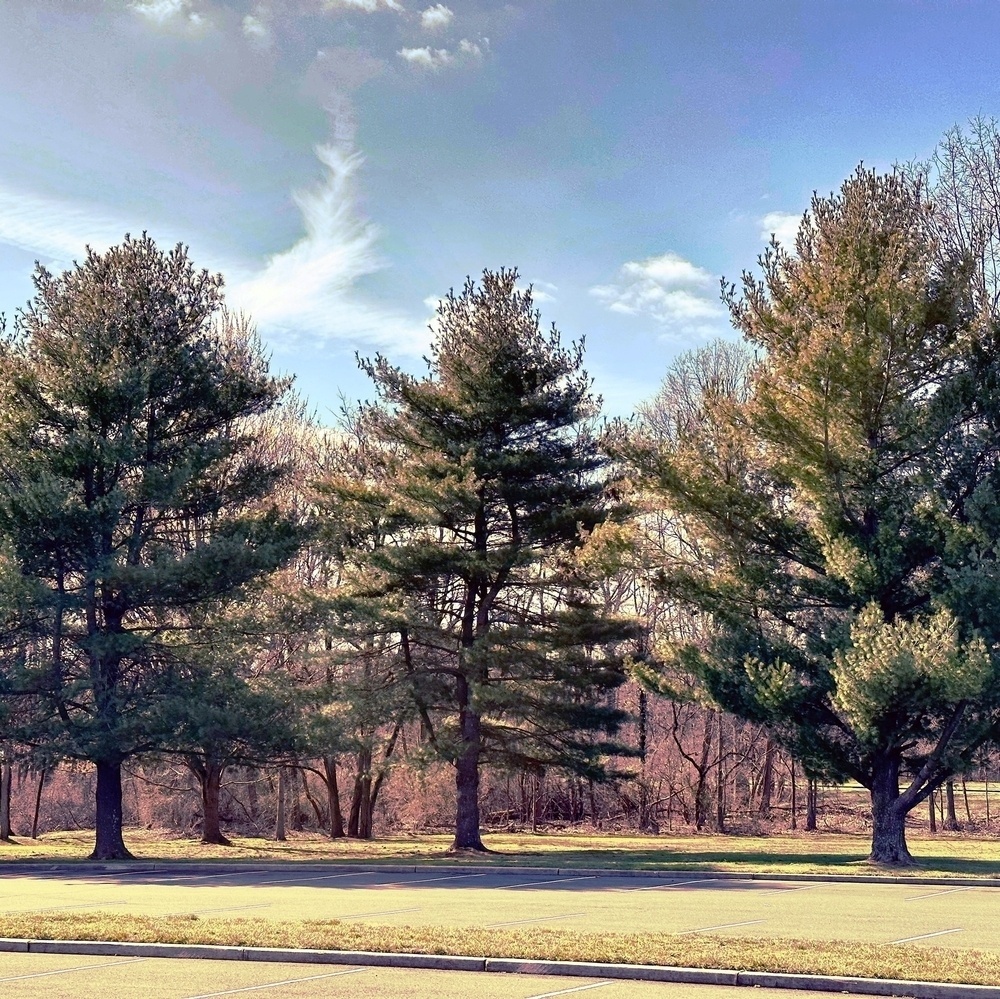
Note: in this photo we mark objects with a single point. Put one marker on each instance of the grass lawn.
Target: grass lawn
(742, 953)
(802, 853)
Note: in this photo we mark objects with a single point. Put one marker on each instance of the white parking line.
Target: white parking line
(932, 894)
(782, 891)
(423, 881)
(926, 936)
(66, 971)
(553, 881)
(274, 985)
(536, 919)
(721, 926)
(180, 877)
(319, 877)
(674, 884)
(576, 988)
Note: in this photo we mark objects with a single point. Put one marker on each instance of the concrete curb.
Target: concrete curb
(569, 969)
(227, 867)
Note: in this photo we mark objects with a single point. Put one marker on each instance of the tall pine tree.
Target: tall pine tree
(495, 478)
(125, 423)
(842, 503)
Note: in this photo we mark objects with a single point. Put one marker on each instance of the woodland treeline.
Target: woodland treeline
(471, 603)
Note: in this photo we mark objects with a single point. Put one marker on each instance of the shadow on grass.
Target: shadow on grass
(722, 860)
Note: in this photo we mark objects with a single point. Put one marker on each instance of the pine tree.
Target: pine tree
(125, 426)
(492, 478)
(842, 504)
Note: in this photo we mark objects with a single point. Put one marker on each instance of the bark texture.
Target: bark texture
(109, 844)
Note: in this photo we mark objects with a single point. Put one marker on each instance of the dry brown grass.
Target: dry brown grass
(740, 953)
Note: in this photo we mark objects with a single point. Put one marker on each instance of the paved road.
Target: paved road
(960, 917)
(34, 976)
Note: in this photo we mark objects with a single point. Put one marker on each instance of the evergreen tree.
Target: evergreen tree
(125, 424)
(221, 716)
(841, 501)
(492, 478)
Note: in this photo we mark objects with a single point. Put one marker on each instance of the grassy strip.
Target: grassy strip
(814, 957)
(817, 853)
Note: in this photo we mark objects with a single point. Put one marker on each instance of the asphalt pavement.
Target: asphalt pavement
(955, 916)
(34, 976)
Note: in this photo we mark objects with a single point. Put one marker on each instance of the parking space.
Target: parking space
(960, 916)
(34, 976)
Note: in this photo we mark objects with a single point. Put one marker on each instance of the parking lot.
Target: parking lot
(939, 915)
(42, 976)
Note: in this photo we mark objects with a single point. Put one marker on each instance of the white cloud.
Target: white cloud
(783, 225)
(304, 292)
(309, 288)
(471, 48)
(541, 291)
(667, 269)
(55, 229)
(164, 11)
(426, 57)
(257, 31)
(366, 5)
(436, 59)
(668, 289)
(436, 17)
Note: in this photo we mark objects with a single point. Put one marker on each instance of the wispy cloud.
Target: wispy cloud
(304, 293)
(308, 290)
(784, 226)
(55, 229)
(543, 291)
(436, 17)
(668, 289)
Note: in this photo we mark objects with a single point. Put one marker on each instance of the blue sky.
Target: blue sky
(345, 162)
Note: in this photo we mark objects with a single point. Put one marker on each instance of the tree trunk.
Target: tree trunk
(279, 820)
(210, 779)
(362, 789)
(720, 785)
(109, 844)
(812, 794)
(38, 805)
(888, 818)
(333, 797)
(701, 790)
(951, 819)
(767, 779)
(536, 790)
(467, 836)
(5, 782)
(933, 817)
(643, 723)
(364, 825)
(297, 817)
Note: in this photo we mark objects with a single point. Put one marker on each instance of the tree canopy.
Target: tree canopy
(491, 480)
(126, 422)
(842, 500)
